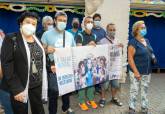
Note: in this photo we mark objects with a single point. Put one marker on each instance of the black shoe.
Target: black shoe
(117, 102)
(131, 111)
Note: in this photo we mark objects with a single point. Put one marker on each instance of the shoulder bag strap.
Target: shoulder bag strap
(64, 39)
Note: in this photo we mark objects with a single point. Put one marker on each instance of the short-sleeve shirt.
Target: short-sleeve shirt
(84, 38)
(55, 39)
(100, 33)
(142, 58)
(73, 33)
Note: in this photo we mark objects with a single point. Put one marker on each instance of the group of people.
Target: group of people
(28, 66)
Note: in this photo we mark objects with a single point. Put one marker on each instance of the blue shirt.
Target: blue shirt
(73, 33)
(142, 57)
(100, 33)
(55, 39)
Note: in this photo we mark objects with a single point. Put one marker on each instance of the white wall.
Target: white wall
(116, 11)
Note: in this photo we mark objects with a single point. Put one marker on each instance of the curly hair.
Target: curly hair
(27, 14)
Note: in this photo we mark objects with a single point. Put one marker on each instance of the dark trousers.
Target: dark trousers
(35, 103)
(53, 95)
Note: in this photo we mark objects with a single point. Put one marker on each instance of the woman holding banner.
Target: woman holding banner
(139, 59)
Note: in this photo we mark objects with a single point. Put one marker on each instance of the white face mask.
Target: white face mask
(89, 26)
(61, 26)
(50, 27)
(28, 29)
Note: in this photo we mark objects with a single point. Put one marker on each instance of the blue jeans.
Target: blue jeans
(5, 101)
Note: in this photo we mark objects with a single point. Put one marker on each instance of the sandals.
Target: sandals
(117, 102)
(131, 111)
(102, 103)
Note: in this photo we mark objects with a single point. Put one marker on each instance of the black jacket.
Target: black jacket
(14, 63)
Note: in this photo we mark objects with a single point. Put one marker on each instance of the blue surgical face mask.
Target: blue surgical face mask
(143, 32)
(50, 27)
(61, 26)
(97, 23)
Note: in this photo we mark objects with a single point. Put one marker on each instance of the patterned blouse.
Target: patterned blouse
(36, 60)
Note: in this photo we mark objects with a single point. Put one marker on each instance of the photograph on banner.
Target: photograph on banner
(64, 70)
(115, 65)
(90, 65)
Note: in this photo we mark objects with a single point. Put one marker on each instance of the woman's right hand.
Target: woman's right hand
(20, 97)
(137, 76)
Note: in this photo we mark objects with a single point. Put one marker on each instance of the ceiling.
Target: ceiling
(65, 2)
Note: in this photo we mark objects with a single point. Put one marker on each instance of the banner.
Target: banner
(84, 66)
(64, 70)
(115, 68)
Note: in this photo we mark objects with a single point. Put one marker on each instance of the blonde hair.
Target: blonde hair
(135, 27)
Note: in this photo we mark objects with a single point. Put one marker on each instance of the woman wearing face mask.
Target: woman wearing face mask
(24, 67)
(139, 60)
(75, 27)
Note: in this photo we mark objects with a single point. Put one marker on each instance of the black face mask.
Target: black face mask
(75, 25)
